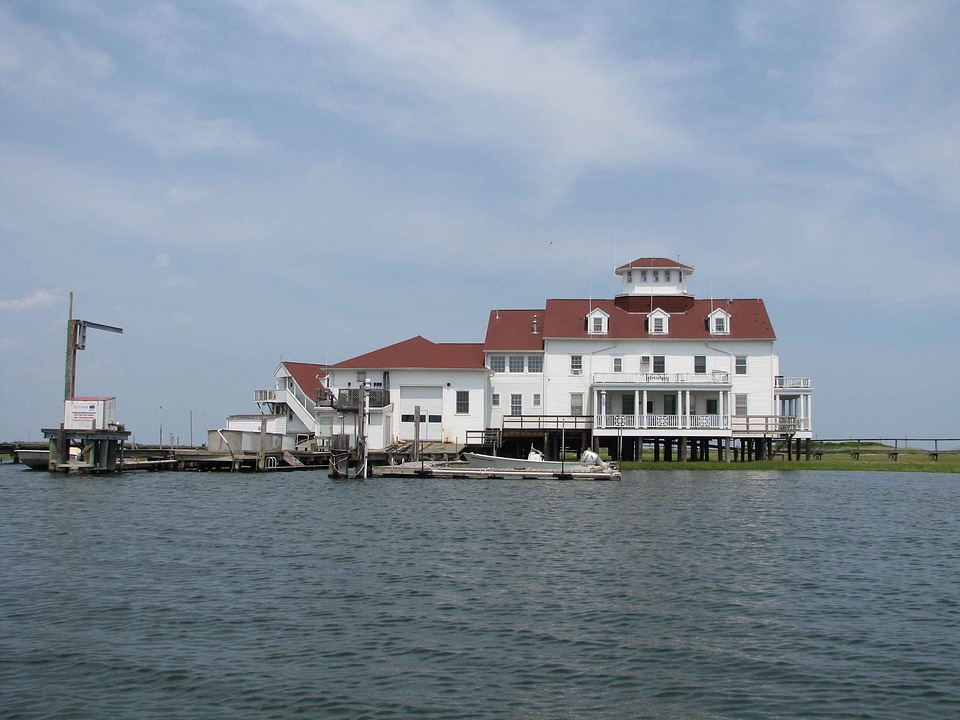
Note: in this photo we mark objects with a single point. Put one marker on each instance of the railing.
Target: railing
(614, 378)
(547, 422)
(653, 422)
(799, 383)
(768, 424)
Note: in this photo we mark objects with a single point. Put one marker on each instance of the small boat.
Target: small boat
(34, 459)
(589, 462)
(39, 459)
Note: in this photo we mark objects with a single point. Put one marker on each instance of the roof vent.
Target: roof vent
(536, 325)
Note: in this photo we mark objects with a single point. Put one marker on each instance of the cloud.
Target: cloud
(51, 68)
(39, 299)
(462, 74)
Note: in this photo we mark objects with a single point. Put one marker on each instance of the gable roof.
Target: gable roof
(309, 376)
(418, 352)
(653, 263)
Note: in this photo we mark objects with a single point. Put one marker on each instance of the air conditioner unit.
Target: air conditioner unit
(645, 359)
(576, 372)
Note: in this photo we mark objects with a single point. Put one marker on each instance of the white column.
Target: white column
(644, 408)
(636, 408)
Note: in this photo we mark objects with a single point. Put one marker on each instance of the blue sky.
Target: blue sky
(240, 182)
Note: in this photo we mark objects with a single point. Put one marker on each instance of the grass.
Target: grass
(835, 456)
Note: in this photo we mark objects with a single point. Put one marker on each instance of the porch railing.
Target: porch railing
(768, 424)
(667, 422)
(615, 378)
(786, 383)
(547, 422)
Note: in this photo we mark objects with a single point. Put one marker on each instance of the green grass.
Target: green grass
(836, 456)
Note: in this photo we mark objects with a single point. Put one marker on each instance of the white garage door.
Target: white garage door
(430, 400)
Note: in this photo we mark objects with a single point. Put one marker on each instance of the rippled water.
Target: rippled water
(667, 595)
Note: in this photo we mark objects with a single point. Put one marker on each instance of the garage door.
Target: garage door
(430, 400)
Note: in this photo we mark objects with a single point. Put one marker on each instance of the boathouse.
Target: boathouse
(651, 370)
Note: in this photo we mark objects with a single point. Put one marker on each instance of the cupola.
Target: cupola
(649, 283)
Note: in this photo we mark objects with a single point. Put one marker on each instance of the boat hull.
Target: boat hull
(34, 459)
(494, 462)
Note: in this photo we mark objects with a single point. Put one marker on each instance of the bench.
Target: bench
(854, 454)
(893, 455)
(818, 455)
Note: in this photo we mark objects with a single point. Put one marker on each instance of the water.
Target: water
(667, 595)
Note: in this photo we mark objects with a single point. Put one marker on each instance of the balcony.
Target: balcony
(661, 379)
(792, 383)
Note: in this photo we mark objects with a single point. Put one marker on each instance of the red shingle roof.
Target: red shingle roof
(565, 319)
(654, 263)
(513, 330)
(418, 352)
(308, 376)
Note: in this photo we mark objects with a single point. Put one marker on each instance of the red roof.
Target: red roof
(308, 376)
(654, 263)
(418, 352)
(511, 329)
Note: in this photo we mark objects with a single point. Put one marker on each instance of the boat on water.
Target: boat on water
(589, 462)
(34, 459)
(39, 459)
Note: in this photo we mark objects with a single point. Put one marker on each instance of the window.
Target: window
(699, 364)
(576, 364)
(495, 399)
(618, 364)
(597, 322)
(712, 406)
(516, 404)
(498, 363)
(435, 418)
(412, 418)
(720, 324)
(534, 363)
(629, 275)
(361, 376)
(643, 276)
(536, 399)
(656, 276)
(516, 363)
(576, 404)
(626, 404)
(740, 405)
(463, 402)
(741, 365)
(658, 325)
(659, 364)
(666, 275)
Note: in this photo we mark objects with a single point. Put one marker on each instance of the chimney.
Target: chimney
(536, 325)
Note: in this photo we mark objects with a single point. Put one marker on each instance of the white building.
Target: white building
(652, 366)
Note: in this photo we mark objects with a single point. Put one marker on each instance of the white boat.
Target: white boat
(34, 459)
(589, 462)
(39, 459)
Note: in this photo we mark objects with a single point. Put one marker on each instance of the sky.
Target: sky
(241, 182)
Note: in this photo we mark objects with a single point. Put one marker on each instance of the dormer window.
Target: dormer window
(718, 322)
(658, 322)
(598, 322)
